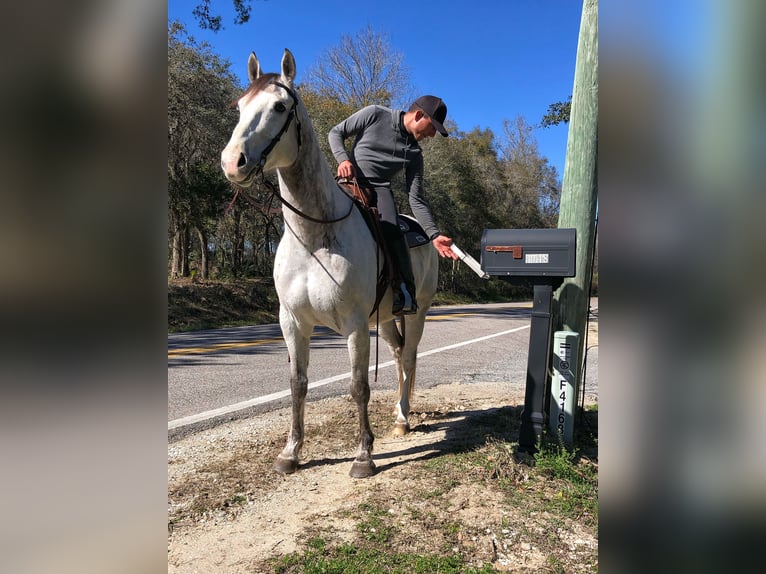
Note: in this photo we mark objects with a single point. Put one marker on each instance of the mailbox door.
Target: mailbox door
(529, 252)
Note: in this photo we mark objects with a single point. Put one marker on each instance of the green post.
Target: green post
(579, 194)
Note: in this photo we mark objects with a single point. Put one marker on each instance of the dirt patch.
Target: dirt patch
(450, 487)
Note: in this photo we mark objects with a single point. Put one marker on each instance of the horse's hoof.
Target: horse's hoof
(362, 469)
(401, 429)
(285, 465)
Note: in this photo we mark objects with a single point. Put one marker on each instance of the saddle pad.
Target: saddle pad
(413, 231)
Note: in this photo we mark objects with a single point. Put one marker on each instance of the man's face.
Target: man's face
(422, 128)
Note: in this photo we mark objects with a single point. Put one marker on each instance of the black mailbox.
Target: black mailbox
(529, 252)
(542, 258)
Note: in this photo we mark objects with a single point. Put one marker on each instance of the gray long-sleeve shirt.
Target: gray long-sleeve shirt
(382, 148)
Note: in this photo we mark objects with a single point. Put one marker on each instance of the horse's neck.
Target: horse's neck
(308, 183)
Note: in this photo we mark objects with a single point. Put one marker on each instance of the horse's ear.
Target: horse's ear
(288, 67)
(253, 67)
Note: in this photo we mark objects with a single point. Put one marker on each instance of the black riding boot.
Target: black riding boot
(404, 287)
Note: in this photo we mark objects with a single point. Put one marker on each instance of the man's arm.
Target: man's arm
(354, 125)
(419, 205)
(337, 138)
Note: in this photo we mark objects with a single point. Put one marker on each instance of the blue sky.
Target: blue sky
(488, 60)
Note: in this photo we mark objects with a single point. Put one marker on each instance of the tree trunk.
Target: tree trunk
(236, 241)
(175, 258)
(203, 258)
(183, 238)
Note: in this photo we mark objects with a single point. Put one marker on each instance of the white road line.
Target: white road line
(191, 419)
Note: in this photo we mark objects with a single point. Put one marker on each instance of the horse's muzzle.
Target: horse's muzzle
(236, 167)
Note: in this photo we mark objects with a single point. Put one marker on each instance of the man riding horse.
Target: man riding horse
(387, 143)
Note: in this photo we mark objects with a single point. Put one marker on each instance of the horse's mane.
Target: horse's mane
(261, 83)
(256, 86)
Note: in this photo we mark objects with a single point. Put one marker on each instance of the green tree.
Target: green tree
(558, 113)
(531, 192)
(325, 112)
(201, 89)
(208, 20)
(461, 176)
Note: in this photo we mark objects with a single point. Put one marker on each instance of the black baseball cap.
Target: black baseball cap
(435, 109)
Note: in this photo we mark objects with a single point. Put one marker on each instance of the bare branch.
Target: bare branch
(362, 70)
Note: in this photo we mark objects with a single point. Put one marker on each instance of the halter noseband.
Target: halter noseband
(292, 114)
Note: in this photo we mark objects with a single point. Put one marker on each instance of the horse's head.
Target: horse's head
(268, 133)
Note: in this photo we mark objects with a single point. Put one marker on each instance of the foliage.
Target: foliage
(210, 21)
(558, 113)
(200, 91)
(575, 487)
(461, 173)
(325, 112)
(532, 190)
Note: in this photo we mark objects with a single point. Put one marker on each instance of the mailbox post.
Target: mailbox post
(541, 258)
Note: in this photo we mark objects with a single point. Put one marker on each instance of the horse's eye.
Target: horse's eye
(280, 107)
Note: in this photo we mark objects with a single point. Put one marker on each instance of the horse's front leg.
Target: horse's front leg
(359, 350)
(298, 347)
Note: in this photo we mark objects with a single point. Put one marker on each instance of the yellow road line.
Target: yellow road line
(244, 344)
(220, 347)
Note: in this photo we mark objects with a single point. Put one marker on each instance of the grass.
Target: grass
(573, 491)
(352, 559)
(545, 495)
(374, 528)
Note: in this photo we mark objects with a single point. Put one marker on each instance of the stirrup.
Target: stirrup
(404, 304)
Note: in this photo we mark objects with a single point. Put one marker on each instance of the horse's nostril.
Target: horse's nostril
(242, 161)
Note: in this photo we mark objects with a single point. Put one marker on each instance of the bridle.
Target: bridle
(292, 115)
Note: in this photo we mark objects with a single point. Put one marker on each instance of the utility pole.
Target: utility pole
(579, 194)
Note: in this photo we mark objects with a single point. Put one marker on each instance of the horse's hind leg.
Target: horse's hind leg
(406, 356)
(359, 350)
(298, 347)
(393, 338)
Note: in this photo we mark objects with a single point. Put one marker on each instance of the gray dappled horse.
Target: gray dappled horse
(326, 265)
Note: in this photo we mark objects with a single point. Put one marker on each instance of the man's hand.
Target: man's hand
(442, 243)
(346, 169)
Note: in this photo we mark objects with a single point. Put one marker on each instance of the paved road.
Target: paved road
(232, 373)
